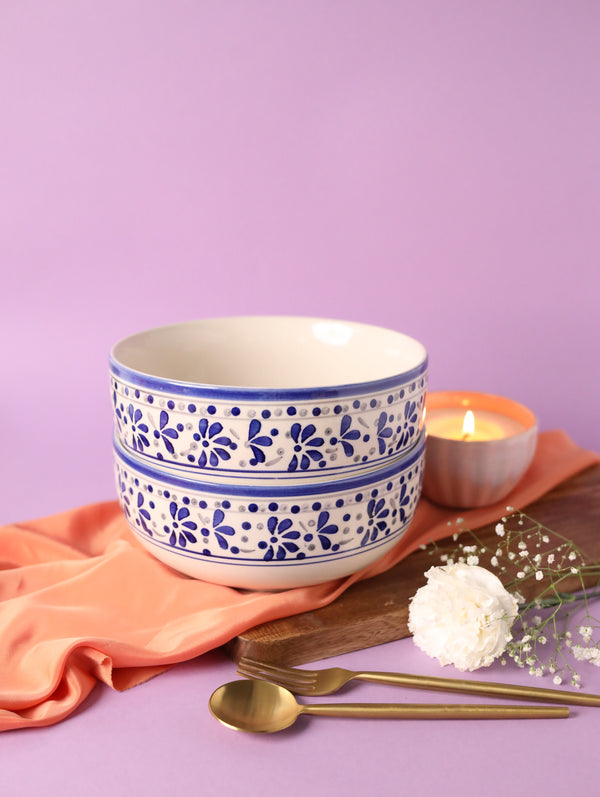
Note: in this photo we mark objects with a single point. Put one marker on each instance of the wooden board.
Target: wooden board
(375, 611)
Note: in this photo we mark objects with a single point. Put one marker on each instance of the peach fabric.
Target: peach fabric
(81, 601)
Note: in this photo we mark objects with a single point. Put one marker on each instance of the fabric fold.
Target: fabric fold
(82, 602)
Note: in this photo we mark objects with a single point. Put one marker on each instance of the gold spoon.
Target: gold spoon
(263, 707)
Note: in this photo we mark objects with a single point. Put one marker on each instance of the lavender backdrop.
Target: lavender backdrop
(427, 166)
(431, 167)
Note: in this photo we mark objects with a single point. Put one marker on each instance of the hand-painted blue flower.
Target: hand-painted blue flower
(213, 443)
(346, 434)
(180, 529)
(281, 540)
(119, 410)
(219, 529)
(403, 500)
(124, 497)
(143, 515)
(406, 430)
(383, 432)
(257, 442)
(324, 531)
(377, 513)
(305, 452)
(139, 430)
(166, 433)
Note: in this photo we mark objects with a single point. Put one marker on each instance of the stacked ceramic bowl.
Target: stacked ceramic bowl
(268, 452)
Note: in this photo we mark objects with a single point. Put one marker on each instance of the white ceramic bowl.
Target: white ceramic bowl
(275, 397)
(267, 537)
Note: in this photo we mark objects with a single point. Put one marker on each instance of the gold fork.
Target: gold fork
(327, 681)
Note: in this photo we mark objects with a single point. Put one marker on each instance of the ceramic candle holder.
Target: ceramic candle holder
(470, 466)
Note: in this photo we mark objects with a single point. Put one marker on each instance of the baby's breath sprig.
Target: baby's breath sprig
(553, 584)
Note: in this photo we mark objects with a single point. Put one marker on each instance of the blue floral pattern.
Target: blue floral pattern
(257, 442)
(345, 436)
(325, 530)
(261, 530)
(214, 444)
(119, 409)
(306, 447)
(377, 524)
(124, 497)
(144, 516)
(408, 429)
(327, 436)
(139, 430)
(281, 541)
(384, 432)
(220, 530)
(180, 529)
(165, 433)
(403, 500)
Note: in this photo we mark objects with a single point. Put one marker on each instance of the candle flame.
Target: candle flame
(468, 425)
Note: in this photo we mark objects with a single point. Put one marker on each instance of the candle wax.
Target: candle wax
(448, 422)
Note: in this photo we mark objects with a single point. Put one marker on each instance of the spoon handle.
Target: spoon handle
(434, 711)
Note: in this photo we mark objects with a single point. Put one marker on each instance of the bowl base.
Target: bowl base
(269, 577)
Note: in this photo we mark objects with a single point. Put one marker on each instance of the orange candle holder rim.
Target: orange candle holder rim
(472, 400)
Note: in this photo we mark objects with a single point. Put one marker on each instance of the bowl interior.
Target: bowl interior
(270, 352)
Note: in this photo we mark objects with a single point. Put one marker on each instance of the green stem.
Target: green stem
(561, 598)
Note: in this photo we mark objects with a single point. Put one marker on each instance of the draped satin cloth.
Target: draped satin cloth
(81, 601)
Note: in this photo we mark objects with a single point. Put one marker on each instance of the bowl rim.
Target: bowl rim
(286, 488)
(240, 393)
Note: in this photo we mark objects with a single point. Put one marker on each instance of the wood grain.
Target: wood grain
(375, 611)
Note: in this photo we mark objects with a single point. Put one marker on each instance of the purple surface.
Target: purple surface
(429, 167)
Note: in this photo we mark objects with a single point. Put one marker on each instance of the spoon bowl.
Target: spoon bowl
(255, 706)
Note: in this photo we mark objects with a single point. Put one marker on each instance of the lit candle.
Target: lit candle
(478, 447)
(455, 424)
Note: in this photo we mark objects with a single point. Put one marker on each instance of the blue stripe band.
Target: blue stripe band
(224, 393)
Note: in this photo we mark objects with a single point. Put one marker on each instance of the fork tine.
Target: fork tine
(247, 666)
(277, 679)
(275, 668)
(280, 671)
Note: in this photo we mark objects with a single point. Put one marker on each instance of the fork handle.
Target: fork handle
(434, 711)
(482, 688)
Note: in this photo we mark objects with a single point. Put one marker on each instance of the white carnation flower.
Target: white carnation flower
(462, 616)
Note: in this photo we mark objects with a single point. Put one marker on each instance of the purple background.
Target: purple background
(431, 167)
